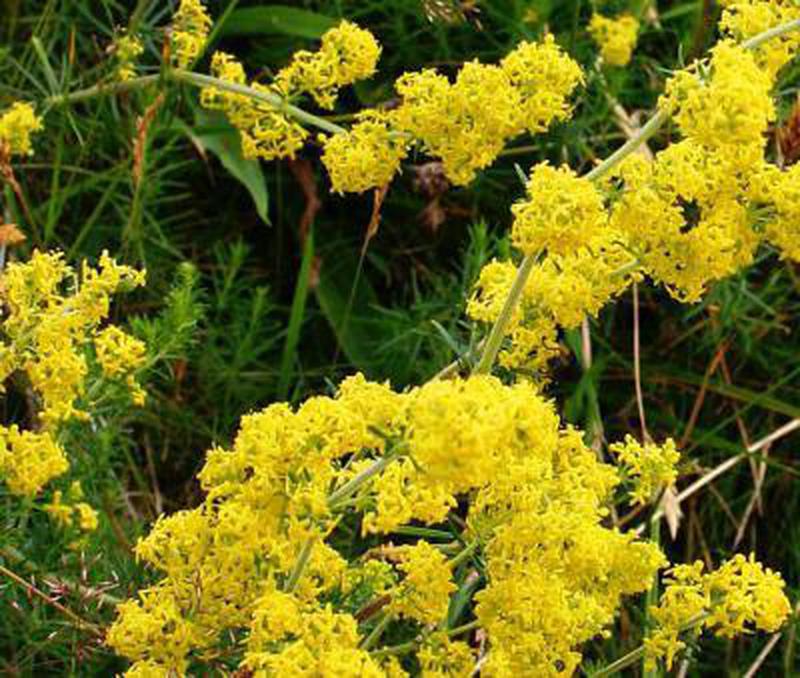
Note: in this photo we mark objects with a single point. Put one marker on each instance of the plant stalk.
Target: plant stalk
(275, 100)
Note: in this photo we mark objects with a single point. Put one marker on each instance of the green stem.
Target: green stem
(101, 90)
(757, 40)
(411, 645)
(197, 80)
(464, 555)
(300, 565)
(377, 632)
(271, 98)
(352, 485)
(498, 332)
(631, 146)
(638, 654)
(623, 662)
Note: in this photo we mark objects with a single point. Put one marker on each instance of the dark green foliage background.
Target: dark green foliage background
(241, 311)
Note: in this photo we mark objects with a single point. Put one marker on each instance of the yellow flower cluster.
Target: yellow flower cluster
(544, 76)
(562, 214)
(560, 292)
(427, 585)
(368, 155)
(190, 27)
(738, 597)
(265, 132)
(121, 355)
(742, 19)
(52, 315)
(544, 597)
(651, 467)
(347, 54)
(255, 557)
(17, 124)
(779, 190)
(466, 123)
(68, 513)
(29, 460)
(715, 196)
(725, 105)
(128, 48)
(440, 657)
(616, 37)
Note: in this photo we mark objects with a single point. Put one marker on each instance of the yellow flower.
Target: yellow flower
(265, 131)
(17, 124)
(190, 27)
(52, 314)
(725, 105)
(705, 229)
(736, 598)
(347, 54)
(128, 48)
(367, 156)
(87, 517)
(60, 512)
(29, 460)
(121, 355)
(778, 193)
(427, 586)
(650, 466)
(441, 657)
(545, 76)
(616, 37)
(561, 214)
(148, 669)
(742, 19)
(467, 123)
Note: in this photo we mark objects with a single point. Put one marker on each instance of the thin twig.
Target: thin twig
(771, 643)
(728, 464)
(30, 588)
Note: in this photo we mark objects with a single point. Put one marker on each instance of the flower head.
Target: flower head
(17, 124)
(616, 37)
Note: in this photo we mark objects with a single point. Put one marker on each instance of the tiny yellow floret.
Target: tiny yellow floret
(616, 37)
(17, 124)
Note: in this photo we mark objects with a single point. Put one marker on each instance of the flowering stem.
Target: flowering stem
(758, 40)
(498, 333)
(275, 100)
(101, 89)
(636, 655)
(653, 125)
(377, 632)
(411, 645)
(352, 485)
(631, 146)
(197, 80)
(300, 565)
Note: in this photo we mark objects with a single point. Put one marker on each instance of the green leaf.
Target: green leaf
(212, 132)
(296, 317)
(277, 20)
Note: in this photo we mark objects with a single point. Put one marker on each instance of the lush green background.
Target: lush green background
(264, 286)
